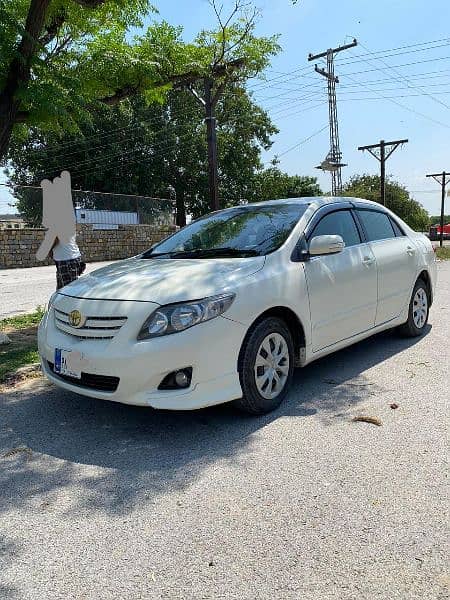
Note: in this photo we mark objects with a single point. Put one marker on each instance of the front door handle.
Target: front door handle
(410, 250)
(368, 260)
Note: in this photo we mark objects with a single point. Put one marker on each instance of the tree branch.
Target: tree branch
(90, 3)
(22, 116)
(52, 28)
(121, 94)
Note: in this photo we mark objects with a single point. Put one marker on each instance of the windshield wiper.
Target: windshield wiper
(204, 253)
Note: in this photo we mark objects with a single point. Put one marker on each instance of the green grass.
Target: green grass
(13, 359)
(22, 321)
(22, 350)
(443, 253)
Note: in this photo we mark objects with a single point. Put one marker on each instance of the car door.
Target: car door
(342, 287)
(396, 258)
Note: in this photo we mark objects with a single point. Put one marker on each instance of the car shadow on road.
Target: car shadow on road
(143, 453)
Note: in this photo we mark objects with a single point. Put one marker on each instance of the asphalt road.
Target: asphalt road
(22, 290)
(127, 503)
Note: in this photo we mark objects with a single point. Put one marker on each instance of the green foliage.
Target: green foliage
(87, 56)
(133, 148)
(398, 198)
(271, 184)
(436, 219)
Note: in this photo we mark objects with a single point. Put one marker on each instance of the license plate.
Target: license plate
(68, 362)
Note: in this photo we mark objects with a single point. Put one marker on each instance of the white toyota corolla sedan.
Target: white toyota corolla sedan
(225, 308)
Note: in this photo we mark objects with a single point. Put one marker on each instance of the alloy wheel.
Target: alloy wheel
(272, 366)
(420, 308)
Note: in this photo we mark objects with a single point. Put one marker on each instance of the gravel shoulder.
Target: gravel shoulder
(99, 500)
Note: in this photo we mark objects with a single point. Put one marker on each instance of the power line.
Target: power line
(57, 147)
(417, 62)
(405, 79)
(302, 141)
(404, 106)
(446, 39)
(386, 80)
(379, 54)
(361, 57)
(38, 187)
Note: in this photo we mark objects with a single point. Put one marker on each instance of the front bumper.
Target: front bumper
(211, 348)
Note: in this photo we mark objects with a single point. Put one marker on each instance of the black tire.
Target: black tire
(413, 327)
(252, 401)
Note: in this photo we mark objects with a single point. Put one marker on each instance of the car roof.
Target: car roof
(318, 200)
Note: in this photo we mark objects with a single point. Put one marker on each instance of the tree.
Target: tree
(272, 183)
(59, 59)
(436, 219)
(398, 198)
(58, 56)
(132, 148)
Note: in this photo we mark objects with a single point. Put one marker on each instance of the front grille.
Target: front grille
(103, 383)
(99, 328)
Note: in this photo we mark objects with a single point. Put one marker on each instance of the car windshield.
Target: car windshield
(242, 231)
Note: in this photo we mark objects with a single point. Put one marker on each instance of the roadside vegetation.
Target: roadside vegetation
(22, 350)
(443, 253)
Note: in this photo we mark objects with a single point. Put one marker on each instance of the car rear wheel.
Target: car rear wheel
(266, 366)
(418, 311)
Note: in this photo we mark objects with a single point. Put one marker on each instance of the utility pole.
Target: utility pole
(333, 160)
(441, 178)
(221, 73)
(210, 118)
(382, 158)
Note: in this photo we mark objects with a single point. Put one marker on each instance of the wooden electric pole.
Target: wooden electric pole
(382, 158)
(441, 178)
(210, 102)
(211, 94)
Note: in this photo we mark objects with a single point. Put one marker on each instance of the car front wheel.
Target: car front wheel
(418, 311)
(266, 366)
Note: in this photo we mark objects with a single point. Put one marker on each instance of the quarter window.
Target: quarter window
(397, 230)
(377, 225)
(339, 223)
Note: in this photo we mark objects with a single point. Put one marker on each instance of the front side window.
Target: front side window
(339, 223)
(377, 225)
(242, 231)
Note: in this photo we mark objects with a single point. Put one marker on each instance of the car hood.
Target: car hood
(163, 280)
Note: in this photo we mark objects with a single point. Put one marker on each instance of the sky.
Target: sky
(395, 84)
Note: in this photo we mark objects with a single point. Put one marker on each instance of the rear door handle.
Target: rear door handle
(410, 250)
(368, 260)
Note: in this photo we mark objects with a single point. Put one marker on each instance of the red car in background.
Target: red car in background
(435, 232)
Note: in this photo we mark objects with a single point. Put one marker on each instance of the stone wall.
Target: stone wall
(18, 247)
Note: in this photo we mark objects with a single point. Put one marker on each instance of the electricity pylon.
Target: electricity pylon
(333, 161)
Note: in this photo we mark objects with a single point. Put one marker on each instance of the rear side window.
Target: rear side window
(377, 225)
(340, 223)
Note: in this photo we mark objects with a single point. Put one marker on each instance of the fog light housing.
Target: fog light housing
(177, 380)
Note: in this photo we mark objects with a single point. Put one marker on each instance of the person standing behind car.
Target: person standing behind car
(67, 257)
(58, 216)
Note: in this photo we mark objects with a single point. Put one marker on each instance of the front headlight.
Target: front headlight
(178, 317)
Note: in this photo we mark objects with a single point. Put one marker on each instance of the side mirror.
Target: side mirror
(326, 244)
